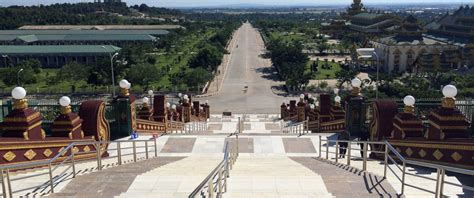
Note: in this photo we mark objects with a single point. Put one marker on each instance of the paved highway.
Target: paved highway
(247, 82)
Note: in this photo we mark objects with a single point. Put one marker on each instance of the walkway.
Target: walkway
(111, 182)
(274, 177)
(344, 181)
(248, 79)
(177, 179)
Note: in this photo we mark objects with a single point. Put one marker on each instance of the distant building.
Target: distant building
(55, 56)
(457, 27)
(358, 20)
(79, 37)
(100, 27)
(410, 50)
(372, 23)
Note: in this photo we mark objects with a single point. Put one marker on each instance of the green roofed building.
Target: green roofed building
(55, 56)
(80, 37)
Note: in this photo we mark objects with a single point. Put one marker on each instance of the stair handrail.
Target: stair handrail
(208, 187)
(54, 163)
(388, 148)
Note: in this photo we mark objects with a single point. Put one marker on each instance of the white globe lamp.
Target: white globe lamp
(450, 91)
(64, 101)
(150, 92)
(409, 101)
(19, 93)
(168, 105)
(356, 82)
(337, 99)
(123, 84)
(336, 91)
(146, 100)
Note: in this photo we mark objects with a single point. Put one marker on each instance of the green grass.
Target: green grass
(322, 74)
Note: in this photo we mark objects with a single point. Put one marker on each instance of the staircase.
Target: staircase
(273, 177)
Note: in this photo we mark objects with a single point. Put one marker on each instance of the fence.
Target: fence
(392, 156)
(300, 128)
(69, 155)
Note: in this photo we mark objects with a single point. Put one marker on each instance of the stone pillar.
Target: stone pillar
(159, 108)
(196, 108)
(186, 111)
(207, 110)
(447, 122)
(406, 124)
(125, 116)
(145, 112)
(300, 110)
(355, 112)
(283, 111)
(23, 122)
(68, 124)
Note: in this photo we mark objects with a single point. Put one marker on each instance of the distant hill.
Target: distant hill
(76, 14)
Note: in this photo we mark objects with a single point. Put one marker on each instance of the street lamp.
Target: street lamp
(369, 53)
(5, 59)
(18, 77)
(112, 68)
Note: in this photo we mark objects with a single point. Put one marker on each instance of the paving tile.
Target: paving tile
(298, 145)
(272, 126)
(178, 145)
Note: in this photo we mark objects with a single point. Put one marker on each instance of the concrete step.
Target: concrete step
(176, 179)
(273, 177)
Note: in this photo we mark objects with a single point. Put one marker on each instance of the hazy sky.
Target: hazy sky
(190, 3)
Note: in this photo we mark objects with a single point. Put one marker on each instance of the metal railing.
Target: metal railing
(215, 184)
(392, 156)
(192, 127)
(148, 147)
(299, 128)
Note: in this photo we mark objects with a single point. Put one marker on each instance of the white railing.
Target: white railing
(392, 156)
(192, 127)
(69, 161)
(215, 184)
(299, 128)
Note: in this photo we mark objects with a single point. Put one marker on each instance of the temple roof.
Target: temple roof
(410, 40)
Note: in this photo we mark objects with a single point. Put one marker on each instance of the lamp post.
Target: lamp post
(5, 59)
(112, 68)
(18, 77)
(369, 53)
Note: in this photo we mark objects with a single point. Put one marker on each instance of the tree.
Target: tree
(197, 77)
(73, 71)
(143, 74)
(209, 57)
(345, 76)
(29, 74)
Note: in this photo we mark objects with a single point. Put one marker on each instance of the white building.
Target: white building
(401, 52)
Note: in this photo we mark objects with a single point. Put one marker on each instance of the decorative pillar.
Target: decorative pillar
(355, 111)
(186, 110)
(22, 122)
(145, 112)
(337, 113)
(68, 124)
(283, 111)
(160, 108)
(324, 108)
(406, 124)
(196, 108)
(447, 122)
(125, 117)
(300, 109)
(207, 109)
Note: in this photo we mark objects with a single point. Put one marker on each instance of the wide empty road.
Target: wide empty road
(248, 80)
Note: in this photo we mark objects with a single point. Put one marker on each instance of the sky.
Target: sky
(204, 3)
